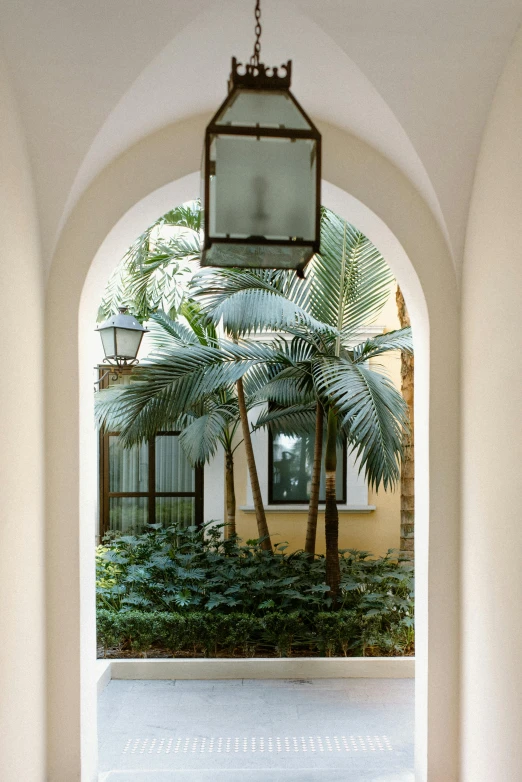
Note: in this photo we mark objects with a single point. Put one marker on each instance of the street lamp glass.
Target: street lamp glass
(121, 337)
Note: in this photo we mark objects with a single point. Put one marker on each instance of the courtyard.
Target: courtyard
(302, 730)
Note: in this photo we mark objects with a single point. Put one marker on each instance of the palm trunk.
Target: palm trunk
(230, 529)
(408, 458)
(262, 526)
(331, 515)
(311, 526)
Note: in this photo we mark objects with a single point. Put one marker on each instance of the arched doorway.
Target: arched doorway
(135, 189)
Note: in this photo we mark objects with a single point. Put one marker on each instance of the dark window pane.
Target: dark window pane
(128, 515)
(175, 510)
(173, 470)
(128, 467)
(292, 459)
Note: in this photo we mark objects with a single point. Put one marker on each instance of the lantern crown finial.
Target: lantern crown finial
(259, 76)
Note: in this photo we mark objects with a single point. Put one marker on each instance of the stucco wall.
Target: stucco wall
(492, 447)
(22, 589)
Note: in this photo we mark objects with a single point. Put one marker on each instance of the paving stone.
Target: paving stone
(358, 730)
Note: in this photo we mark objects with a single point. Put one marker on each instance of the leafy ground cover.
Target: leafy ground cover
(188, 592)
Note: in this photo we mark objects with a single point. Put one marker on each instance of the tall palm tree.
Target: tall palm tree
(315, 482)
(408, 458)
(347, 285)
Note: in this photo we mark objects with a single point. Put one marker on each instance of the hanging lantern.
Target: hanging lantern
(261, 173)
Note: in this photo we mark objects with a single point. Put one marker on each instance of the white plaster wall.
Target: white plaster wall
(492, 448)
(214, 488)
(22, 630)
(415, 79)
(389, 210)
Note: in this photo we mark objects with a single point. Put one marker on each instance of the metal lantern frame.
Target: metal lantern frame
(118, 361)
(260, 78)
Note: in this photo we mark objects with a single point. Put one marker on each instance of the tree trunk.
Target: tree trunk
(262, 526)
(311, 526)
(331, 514)
(230, 529)
(408, 463)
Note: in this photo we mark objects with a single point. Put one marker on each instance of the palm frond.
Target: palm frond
(371, 410)
(296, 420)
(170, 383)
(187, 215)
(165, 332)
(204, 330)
(200, 438)
(366, 281)
(291, 386)
(401, 339)
(247, 302)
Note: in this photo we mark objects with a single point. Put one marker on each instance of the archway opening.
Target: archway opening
(119, 239)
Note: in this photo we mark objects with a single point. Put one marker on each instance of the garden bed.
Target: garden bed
(174, 593)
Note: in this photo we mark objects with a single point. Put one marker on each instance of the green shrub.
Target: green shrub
(242, 632)
(107, 628)
(139, 629)
(191, 591)
(209, 634)
(337, 632)
(175, 632)
(280, 630)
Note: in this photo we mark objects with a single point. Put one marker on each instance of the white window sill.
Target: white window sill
(342, 509)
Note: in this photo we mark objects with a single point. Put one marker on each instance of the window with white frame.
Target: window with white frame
(290, 463)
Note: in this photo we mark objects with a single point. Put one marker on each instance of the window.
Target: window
(152, 482)
(290, 460)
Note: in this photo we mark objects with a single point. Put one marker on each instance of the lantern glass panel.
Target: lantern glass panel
(109, 345)
(274, 109)
(263, 187)
(257, 256)
(128, 342)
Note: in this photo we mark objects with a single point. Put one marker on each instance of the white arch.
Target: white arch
(395, 217)
(157, 98)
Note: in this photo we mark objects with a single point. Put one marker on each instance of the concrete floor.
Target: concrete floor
(324, 730)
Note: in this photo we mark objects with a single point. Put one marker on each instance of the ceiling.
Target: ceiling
(414, 78)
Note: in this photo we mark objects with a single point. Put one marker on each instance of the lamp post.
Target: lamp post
(261, 171)
(121, 337)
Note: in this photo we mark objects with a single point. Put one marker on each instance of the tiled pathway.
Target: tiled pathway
(324, 730)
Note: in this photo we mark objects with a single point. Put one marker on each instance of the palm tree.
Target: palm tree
(408, 458)
(189, 383)
(205, 422)
(151, 278)
(347, 286)
(323, 368)
(214, 418)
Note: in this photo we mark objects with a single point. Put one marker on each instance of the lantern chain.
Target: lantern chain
(254, 60)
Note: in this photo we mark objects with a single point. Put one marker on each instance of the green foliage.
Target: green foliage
(191, 592)
(338, 630)
(152, 273)
(280, 630)
(345, 289)
(238, 634)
